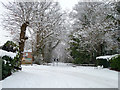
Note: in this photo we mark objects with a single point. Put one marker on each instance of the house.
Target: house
(27, 57)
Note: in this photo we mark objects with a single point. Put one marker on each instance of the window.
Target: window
(26, 54)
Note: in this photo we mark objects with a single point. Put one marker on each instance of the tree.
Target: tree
(22, 39)
(93, 31)
(117, 7)
(47, 28)
(17, 18)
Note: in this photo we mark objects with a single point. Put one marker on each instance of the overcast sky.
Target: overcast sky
(65, 4)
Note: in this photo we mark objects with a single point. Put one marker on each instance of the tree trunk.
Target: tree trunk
(22, 39)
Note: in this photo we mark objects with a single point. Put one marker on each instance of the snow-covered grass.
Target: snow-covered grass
(10, 54)
(61, 76)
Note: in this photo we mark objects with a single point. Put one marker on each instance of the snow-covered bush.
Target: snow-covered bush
(10, 46)
(6, 66)
(103, 62)
(115, 63)
(9, 65)
(10, 61)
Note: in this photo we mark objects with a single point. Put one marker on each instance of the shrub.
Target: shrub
(10, 46)
(77, 61)
(9, 65)
(103, 62)
(6, 66)
(115, 63)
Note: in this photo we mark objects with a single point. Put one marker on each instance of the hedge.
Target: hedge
(9, 65)
(115, 63)
(103, 62)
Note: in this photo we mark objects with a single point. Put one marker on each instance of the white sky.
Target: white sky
(65, 4)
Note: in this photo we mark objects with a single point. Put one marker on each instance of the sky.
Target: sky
(65, 4)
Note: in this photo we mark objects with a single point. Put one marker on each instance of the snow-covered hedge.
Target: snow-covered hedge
(107, 57)
(10, 46)
(5, 65)
(108, 61)
(10, 54)
(9, 65)
(9, 62)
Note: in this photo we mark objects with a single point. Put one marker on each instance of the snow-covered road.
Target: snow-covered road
(62, 76)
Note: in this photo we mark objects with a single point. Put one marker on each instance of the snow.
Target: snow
(4, 37)
(30, 50)
(108, 57)
(0, 85)
(61, 76)
(10, 54)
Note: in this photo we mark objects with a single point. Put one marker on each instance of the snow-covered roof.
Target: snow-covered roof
(107, 57)
(10, 54)
(30, 50)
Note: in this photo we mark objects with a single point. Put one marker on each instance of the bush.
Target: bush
(115, 63)
(103, 62)
(6, 66)
(77, 61)
(10, 46)
(80, 57)
(9, 65)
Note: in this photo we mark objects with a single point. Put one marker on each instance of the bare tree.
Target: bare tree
(48, 26)
(16, 19)
(44, 18)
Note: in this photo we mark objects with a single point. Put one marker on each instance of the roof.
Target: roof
(30, 50)
(107, 57)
